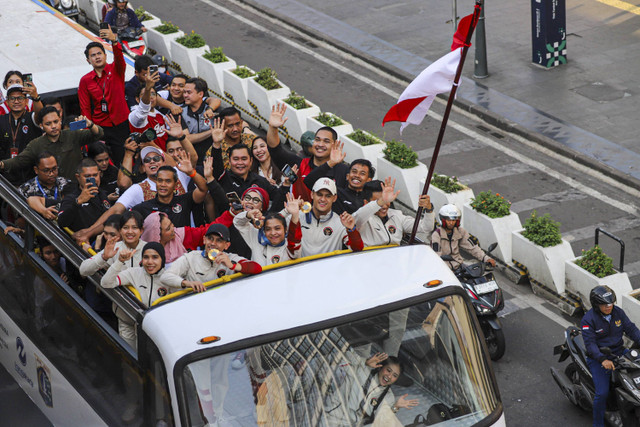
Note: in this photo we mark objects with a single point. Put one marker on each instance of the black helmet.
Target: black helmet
(601, 295)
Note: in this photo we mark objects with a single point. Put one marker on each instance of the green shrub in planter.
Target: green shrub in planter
(363, 138)
(142, 14)
(243, 72)
(445, 183)
(215, 55)
(296, 101)
(192, 41)
(400, 154)
(329, 119)
(596, 262)
(167, 28)
(492, 205)
(542, 230)
(268, 79)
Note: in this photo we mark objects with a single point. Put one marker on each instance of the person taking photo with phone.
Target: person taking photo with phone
(82, 207)
(63, 144)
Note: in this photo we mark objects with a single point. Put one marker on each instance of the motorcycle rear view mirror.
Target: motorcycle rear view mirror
(447, 257)
(492, 247)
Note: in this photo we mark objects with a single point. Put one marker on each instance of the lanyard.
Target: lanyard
(14, 134)
(55, 195)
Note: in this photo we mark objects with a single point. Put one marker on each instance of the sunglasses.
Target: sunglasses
(155, 159)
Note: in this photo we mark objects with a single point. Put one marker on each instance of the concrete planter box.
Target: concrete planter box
(580, 282)
(92, 12)
(407, 180)
(187, 57)
(546, 265)
(489, 230)
(212, 73)
(344, 129)
(161, 43)
(264, 99)
(150, 23)
(439, 198)
(630, 305)
(355, 151)
(237, 88)
(297, 119)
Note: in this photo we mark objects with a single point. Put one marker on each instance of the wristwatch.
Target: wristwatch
(395, 409)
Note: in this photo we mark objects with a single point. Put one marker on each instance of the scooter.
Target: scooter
(132, 42)
(486, 297)
(69, 8)
(623, 405)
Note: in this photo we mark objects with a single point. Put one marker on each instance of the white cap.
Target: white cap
(14, 87)
(325, 183)
(147, 150)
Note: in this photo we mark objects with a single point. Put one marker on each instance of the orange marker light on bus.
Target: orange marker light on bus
(432, 283)
(209, 340)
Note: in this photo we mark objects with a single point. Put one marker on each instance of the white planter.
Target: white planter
(355, 151)
(264, 99)
(297, 119)
(439, 198)
(631, 305)
(407, 180)
(489, 230)
(212, 73)
(187, 57)
(92, 10)
(546, 265)
(344, 129)
(580, 282)
(161, 43)
(150, 23)
(237, 88)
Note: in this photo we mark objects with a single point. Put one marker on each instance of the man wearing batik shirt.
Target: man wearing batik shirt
(236, 131)
(44, 192)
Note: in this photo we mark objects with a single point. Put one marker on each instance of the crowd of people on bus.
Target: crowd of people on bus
(154, 175)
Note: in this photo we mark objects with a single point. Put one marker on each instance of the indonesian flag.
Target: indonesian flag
(437, 78)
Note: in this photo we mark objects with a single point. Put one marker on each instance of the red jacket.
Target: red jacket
(110, 85)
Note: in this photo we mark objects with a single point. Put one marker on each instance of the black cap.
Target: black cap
(220, 230)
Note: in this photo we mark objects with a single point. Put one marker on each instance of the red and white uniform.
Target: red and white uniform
(142, 117)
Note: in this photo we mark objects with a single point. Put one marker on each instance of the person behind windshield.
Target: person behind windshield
(265, 234)
(449, 237)
(603, 326)
(121, 17)
(372, 377)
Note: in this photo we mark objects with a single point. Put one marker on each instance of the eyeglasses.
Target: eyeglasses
(49, 171)
(154, 159)
(256, 200)
(17, 98)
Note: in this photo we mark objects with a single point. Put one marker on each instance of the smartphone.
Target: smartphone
(91, 182)
(77, 125)
(104, 26)
(235, 201)
(287, 172)
(27, 77)
(153, 69)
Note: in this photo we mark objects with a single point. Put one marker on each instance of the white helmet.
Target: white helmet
(451, 212)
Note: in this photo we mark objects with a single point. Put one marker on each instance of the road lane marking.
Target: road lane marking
(622, 5)
(613, 226)
(497, 172)
(455, 147)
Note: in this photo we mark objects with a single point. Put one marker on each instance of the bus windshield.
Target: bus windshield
(435, 372)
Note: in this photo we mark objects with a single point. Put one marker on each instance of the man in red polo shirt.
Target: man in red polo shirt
(101, 94)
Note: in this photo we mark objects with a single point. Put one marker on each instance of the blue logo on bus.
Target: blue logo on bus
(44, 386)
(21, 354)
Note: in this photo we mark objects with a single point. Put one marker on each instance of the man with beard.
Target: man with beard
(236, 131)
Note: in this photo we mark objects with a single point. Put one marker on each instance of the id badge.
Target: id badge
(103, 106)
(14, 152)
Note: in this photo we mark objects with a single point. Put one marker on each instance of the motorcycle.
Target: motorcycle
(486, 297)
(623, 405)
(69, 8)
(132, 42)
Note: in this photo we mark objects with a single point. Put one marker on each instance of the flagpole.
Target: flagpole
(445, 119)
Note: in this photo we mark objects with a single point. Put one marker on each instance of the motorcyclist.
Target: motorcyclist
(603, 326)
(449, 237)
(122, 17)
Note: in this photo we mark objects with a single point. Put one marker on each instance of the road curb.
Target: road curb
(488, 116)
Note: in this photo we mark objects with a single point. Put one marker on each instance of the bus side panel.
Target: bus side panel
(42, 382)
(65, 337)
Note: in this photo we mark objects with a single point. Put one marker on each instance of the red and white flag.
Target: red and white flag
(437, 78)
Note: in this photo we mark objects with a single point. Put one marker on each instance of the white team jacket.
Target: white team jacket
(194, 267)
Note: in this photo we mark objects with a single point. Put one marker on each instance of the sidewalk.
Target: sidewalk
(586, 109)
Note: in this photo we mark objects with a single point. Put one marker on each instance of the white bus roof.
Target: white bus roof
(294, 296)
(54, 53)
